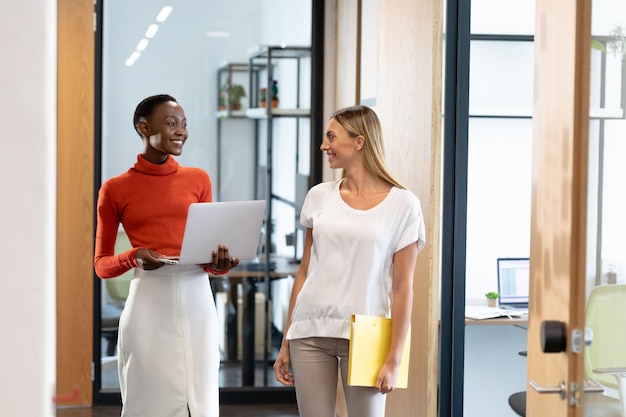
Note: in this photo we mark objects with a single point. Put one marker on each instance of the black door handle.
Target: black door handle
(553, 336)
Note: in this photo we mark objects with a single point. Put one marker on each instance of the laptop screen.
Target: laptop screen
(514, 281)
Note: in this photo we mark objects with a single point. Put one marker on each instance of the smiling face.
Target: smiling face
(341, 148)
(164, 132)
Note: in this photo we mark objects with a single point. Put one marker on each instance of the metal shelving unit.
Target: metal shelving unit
(298, 108)
(263, 68)
(225, 75)
(268, 59)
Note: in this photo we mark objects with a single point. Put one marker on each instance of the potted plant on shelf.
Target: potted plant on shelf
(492, 299)
(273, 96)
(223, 100)
(615, 42)
(235, 93)
(230, 96)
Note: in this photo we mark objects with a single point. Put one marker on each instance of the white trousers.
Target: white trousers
(168, 353)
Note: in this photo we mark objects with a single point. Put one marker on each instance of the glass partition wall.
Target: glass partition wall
(488, 96)
(606, 225)
(499, 156)
(186, 49)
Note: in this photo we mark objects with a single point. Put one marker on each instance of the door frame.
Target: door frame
(74, 242)
(454, 208)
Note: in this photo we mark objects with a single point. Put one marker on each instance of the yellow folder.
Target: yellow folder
(370, 339)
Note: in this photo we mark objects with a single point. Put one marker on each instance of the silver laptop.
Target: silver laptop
(513, 283)
(236, 224)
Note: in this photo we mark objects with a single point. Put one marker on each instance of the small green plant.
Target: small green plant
(616, 42)
(235, 93)
(230, 96)
(492, 299)
(491, 295)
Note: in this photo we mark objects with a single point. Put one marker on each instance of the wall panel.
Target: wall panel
(408, 100)
(346, 70)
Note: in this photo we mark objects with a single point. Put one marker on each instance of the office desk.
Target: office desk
(499, 321)
(249, 277)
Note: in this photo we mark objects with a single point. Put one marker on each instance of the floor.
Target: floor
(262, 410)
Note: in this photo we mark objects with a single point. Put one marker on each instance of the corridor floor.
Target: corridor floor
(261, 410)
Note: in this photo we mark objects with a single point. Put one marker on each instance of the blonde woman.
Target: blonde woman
(363, 234)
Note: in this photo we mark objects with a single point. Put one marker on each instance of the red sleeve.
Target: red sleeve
(120, 203)
(106, 263)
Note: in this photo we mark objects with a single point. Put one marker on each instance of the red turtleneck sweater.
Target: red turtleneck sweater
(151, 202)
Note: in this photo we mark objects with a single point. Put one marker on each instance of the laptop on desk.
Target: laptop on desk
(513, 283)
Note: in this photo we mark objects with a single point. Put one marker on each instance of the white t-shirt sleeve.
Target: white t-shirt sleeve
(415, 230)
(313, 202)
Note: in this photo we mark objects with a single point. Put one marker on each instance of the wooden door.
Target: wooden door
(559, 201)
(75, 147)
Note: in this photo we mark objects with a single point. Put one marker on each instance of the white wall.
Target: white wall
(499, 149)
(606, 15)
(182, 60)
(28, 186)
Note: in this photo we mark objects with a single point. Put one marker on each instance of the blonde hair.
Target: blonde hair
(361, 120)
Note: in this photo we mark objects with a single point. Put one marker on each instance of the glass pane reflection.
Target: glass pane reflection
(182, 59)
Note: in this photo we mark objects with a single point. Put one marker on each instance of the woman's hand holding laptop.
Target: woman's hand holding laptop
(222, 261)
(149, 260)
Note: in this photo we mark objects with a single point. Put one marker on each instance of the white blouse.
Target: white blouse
(350, 269)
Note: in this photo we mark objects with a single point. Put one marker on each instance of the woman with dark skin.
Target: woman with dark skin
(168, 358)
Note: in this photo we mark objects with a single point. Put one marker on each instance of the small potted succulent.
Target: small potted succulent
(492, 299)
(273, 96)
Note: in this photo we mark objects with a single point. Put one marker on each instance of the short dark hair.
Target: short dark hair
(147, 106)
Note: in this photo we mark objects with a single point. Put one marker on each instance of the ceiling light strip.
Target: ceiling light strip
(150, 33)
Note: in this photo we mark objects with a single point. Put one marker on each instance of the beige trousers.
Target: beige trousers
(314, 362)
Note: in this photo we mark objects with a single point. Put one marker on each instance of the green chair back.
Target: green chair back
(605, 314)
(118, 287)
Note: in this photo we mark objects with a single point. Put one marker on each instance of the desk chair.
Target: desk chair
(605, 358)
